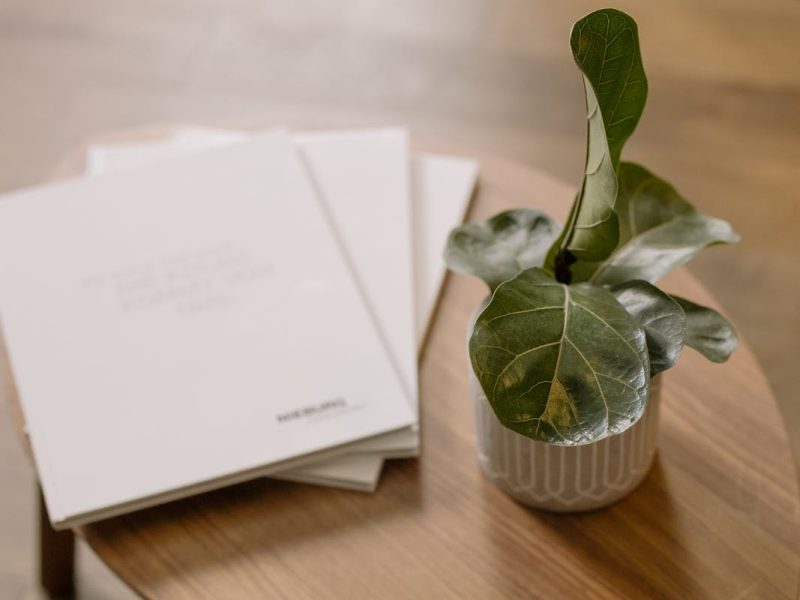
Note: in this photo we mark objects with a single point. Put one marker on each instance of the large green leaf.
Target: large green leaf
(498, 249)
(707, 331)
(659, 231)
(561, 364)
(645, 201)
(605, 47)
(661, 317)
(592, 231)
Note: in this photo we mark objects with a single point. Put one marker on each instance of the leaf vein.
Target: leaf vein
(521, 312)
(607, 324)
(596, 380)
(516, 358)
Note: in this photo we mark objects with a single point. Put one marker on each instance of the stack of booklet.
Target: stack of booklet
(219, 306)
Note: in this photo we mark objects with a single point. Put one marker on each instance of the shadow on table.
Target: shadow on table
(632, 548)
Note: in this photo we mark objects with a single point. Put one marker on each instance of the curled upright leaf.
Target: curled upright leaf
(605, 46)
(592, 231)
(561, 364)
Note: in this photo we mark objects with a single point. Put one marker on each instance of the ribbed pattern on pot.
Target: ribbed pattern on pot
(565, 478)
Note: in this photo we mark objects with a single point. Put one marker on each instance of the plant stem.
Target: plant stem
(564, 259)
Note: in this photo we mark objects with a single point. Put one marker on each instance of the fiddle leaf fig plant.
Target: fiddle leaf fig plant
(575, 327)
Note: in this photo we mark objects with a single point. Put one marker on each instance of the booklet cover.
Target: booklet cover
(184, 326)
(372, 211)
(363, 179)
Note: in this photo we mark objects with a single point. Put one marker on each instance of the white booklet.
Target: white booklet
(185, 326)
(363, 176)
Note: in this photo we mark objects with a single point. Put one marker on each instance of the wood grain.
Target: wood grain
(716, 517)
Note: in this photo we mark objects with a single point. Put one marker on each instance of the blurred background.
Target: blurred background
(722, 123)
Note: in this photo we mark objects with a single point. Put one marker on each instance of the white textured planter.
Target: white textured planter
(565, 478)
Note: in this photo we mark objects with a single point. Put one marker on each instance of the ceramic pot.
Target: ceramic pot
(565, 478)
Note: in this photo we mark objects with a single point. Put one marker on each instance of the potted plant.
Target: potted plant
(567, 350)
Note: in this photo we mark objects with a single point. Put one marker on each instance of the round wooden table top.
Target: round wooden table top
(715, 518)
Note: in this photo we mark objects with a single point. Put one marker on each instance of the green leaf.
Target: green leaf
(560, 364)
(659, 231)
(660, 316)
(645, 201)
(498, 249)
(592, 230)
(707, 331)
(605, 46)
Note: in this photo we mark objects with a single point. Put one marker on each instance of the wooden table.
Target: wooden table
(716, 517)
